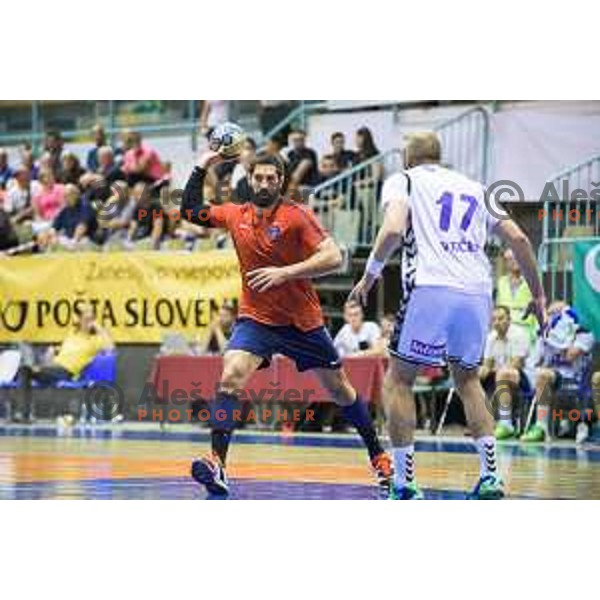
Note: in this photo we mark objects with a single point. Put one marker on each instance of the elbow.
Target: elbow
(337, 258)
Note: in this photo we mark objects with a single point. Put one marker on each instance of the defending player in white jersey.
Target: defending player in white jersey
(442, 214)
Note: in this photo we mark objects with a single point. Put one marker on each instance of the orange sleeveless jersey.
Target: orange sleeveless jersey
(286, 234)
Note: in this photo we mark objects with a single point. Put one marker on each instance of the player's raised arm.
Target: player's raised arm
(388, 240)
(518, 241)
(193, 208)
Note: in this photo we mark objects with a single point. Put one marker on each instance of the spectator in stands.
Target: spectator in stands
(107, 166)
(345, 159)
(302, 161)
(366, 149)
(6, 172)
(357, 337)
(213, 113)
(141, 163)
(274, 147)
(17, 202)
(48, 201)
(77, 351)
(220, 330)
(386, 325)
(53, 147)
(8, 237)
(114, 216)
(502, 373)
(75, 223)
(239, 178)
(71, 168)
(28, 161)
(513, 292)
(148, 219)
(564, 356)
(92, 161)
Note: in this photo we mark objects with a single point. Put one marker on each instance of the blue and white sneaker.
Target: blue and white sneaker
(209, 472)
(489, 487)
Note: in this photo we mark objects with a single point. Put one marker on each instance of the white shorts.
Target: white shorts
(443, 325)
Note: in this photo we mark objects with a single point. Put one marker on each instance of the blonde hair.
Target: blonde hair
(422, 147)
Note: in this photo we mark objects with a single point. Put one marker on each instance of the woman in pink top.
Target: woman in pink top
(50, 199)
(141, 163)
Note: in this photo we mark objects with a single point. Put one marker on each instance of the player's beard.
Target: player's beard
(264, 198)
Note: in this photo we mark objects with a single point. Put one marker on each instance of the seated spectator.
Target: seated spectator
(71, 168)
(502, 373)
(47, 202)
(75, 223)
(17, 202)
(107, 166)
(114, 215)
(357, 337)
(28, 161)
(274, 147)
(302, 161)
(148, 219)
(386, 325)
(564, 355)
(8, 237)
(239, 178)
(92, 161)
(6, 172)
(344, 159)
(220, 330)
(77, 351)
(141, 163)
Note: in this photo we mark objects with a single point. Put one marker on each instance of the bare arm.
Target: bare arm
(102, 333)
(388, 240)
(325, 259)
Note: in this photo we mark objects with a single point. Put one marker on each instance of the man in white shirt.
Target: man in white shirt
(357, 336)
(506, 350)
(564, 356)
(440, 217)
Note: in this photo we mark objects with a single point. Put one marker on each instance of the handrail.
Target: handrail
(574, 168)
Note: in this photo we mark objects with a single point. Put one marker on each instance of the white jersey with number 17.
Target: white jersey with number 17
(450, 223)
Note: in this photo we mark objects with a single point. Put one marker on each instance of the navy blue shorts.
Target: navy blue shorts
(312, 349)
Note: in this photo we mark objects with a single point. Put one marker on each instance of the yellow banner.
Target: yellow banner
(138, 296)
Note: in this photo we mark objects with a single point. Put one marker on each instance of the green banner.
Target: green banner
(586, 284)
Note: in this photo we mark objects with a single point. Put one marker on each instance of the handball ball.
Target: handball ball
(227, 139)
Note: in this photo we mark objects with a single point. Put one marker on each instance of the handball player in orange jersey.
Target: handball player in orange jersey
(280, 247)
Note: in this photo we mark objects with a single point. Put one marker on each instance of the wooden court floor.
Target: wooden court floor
(143, 462)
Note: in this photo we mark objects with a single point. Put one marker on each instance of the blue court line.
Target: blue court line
(182, 488)
(322, 441)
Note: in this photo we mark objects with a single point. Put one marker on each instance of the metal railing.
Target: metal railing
(109, 118)
(465, 142)
(348, 204)
(565, 216)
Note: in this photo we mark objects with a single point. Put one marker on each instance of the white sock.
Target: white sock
(505, 414)
(486, 446)
(542, 417)
(404, 465)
